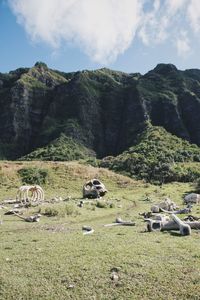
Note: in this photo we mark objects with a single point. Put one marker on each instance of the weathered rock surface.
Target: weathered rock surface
(104, 110)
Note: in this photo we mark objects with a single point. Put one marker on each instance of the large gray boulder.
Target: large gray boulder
(192, 198)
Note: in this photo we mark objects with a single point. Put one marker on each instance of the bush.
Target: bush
(51, 212)
(61, 149)
(41, 64)
(104, 204)
(154, 158)
(197, 186)
(92, 161)
(101, 204)
(33, 175)
(61, 211)
(70, 209)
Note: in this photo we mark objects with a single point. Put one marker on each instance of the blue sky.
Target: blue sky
(71, 35)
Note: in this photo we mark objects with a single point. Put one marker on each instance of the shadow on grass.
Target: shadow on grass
(174, 233)
(195, 191)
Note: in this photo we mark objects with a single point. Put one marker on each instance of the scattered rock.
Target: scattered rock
(71, 286)
(80, 204)
(166, 204)
(192, 198)
(68, 198)
(115, 269)
(87, 230)
(114, 277)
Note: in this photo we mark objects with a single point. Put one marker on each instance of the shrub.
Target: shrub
(51, 212)
(70, 209)
(155, 156)
(41, 64)
(61, 211)
(104, 204)
(197, 187)
(61, 149)
(101, 204)
(92, 161)
(33, 175)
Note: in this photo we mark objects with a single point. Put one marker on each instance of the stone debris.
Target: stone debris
(192, 198)
(121, 222)
(167, 205)
(87, 230)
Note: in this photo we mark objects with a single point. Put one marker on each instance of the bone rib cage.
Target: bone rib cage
(36, 191)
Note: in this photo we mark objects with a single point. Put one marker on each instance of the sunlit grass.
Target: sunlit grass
(52, 259)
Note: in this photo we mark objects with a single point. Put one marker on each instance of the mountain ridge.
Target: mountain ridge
(104, 110)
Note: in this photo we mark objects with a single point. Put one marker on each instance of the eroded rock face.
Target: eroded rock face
(24, 97)
(94, 188)
(103, 109)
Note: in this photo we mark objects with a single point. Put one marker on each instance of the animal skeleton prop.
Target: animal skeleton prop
(37, 193)
(94, 189)
(34, 218)
(162, 223)
(185, 210)
(167, 205)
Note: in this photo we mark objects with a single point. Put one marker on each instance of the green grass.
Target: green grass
(54, 260)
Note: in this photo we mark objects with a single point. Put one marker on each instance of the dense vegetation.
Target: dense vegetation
(62, 149)
(158, 157)
(103, 110)
(33, 175)
(51, 115)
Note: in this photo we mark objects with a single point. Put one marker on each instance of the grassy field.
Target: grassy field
(52, 259)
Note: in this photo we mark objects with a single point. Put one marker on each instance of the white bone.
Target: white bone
(37, 193)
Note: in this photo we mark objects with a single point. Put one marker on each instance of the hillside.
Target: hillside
(102, 110)
(52, 259)
(61, 149)
(157, 156)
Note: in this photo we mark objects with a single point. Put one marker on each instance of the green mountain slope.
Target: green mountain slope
(102, 110)
(62, 149)
(156, 157)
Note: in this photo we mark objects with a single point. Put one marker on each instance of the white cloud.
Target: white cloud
(183, 45)
(175, 5)
(103, 29)
(159, 23)
(194, 15)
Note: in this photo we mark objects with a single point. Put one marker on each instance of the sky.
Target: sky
(126, 35)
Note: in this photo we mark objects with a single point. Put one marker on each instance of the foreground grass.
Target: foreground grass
(54, 260)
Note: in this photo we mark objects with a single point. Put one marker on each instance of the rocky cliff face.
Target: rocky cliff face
(103, 109)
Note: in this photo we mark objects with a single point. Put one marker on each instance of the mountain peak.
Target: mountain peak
(41, 65)
(165, 69)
